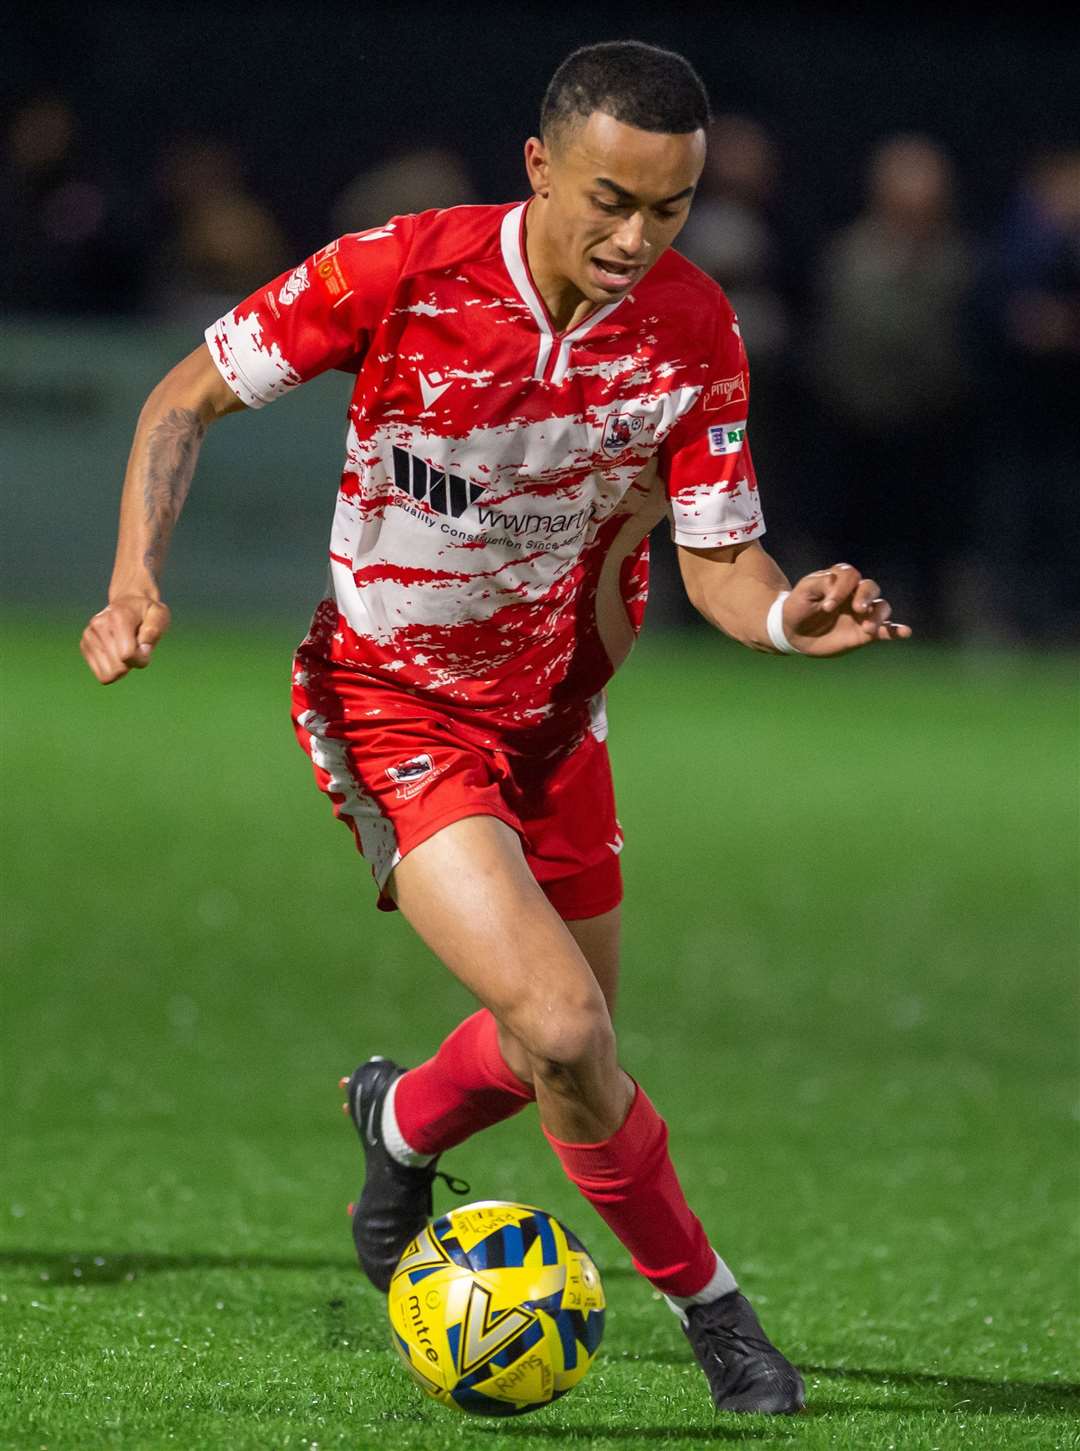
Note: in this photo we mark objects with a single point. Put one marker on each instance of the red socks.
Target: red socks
(466, 1087)
(630, 1181)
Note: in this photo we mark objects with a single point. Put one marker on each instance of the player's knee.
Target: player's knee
(575, 1035)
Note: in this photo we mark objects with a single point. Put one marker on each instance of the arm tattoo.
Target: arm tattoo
(172, 451)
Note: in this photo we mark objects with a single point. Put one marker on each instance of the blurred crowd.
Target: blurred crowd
(916, 381)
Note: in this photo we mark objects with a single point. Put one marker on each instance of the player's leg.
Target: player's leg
(598, 940)
(469, 893)
(481, 1074)
(478, 1076)
(722, 1330)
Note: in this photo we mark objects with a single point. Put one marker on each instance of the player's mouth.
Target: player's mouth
(614, 276)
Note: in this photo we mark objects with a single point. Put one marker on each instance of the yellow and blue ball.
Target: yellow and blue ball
(496, 1309)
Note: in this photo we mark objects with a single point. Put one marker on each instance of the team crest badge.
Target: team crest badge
(620, 430)
(411, 770)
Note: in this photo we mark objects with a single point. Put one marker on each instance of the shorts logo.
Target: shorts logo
(725, 438)
(410, 770)
(725, 391)
(619, 431)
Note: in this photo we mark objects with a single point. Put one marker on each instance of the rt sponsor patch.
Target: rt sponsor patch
(725, 438)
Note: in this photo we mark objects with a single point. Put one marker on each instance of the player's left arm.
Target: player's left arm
(716, 518)
(829, 612)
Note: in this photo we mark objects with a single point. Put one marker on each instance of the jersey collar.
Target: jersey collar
(512, 238)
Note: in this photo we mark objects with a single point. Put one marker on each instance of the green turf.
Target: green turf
(850, 984)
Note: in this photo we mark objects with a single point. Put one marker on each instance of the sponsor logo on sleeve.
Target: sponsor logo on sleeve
(725, 438)
(328, 271)
(619, 432)
(724, 392)
(297, 281)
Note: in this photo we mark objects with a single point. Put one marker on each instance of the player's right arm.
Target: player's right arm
(164, 452)
(317, 316)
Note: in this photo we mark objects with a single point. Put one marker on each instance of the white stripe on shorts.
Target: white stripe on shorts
(378, 839)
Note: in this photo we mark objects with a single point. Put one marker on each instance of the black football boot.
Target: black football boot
(396, 1200)
(744, 1369)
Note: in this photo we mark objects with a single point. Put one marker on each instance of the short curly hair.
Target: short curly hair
(640, 85)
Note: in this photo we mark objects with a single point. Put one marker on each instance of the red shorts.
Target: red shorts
(397, 772)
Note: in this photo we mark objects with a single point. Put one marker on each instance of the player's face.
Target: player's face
(614, 199)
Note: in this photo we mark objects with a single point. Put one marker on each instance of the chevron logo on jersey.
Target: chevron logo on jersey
(443, 492)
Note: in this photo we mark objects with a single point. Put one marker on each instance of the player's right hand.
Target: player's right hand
(122, 636)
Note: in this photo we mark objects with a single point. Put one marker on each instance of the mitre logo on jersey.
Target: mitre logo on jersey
(724, 392)
(443, 492)
(619, 431)
(725, 438)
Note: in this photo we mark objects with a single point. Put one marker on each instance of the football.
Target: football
(496, 1309)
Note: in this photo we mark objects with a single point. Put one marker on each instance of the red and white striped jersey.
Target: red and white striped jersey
(489, 551)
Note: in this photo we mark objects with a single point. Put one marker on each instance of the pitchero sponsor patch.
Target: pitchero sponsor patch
(724, 392)
(725, 438)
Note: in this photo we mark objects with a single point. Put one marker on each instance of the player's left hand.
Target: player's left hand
(836, 610)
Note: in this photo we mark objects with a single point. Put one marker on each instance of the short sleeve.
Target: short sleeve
(318, 316)
(705, 460)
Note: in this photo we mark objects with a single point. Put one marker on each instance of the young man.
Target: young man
(536, 385)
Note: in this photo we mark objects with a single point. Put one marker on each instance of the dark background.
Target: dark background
(312, 93)
(966, 512)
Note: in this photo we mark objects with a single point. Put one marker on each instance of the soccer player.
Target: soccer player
(536, 385)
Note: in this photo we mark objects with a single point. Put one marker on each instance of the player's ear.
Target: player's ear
(537, 165)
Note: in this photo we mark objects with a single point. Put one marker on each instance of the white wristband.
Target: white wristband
(774, 623)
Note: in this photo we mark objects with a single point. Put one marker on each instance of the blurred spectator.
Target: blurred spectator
(69, 242)
(222, 240)
(413, 181)
(1027, 536)
(889, 360)
(735, 234)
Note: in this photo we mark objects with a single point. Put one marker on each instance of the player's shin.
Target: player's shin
(467, 1086)
(630, 1181)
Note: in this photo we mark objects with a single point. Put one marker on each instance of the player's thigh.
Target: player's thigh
(468, 892)
(598, 939)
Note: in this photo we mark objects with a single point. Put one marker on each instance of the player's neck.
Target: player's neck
(566, 303)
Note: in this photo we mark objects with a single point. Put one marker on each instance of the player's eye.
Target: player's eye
(612, 208)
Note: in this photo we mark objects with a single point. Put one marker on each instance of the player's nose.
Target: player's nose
(630, 235)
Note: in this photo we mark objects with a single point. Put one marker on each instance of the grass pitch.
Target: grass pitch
(850, 984)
